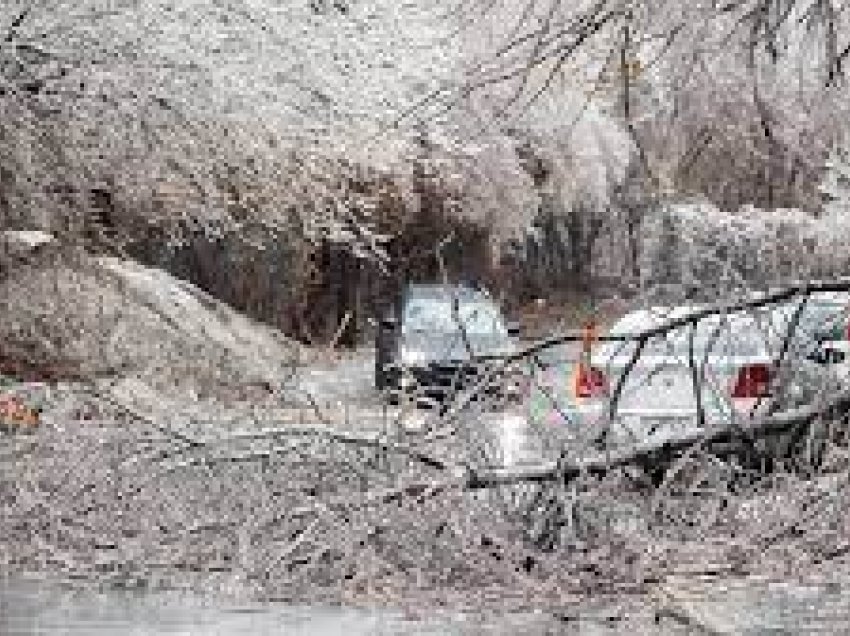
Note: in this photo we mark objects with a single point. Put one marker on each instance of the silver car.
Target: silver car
(444, 340)
(723, 370)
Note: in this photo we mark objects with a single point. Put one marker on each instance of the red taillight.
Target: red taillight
(590, 382)
(753, 381)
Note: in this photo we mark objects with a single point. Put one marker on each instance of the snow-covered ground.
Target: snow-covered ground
(347, 378)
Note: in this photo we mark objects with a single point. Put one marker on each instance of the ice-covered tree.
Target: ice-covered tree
(737, 102)
(255, 111)
(273, 105)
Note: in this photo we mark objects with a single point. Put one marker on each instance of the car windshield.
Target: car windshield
(476, 316)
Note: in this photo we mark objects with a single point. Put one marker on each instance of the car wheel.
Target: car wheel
(691, 493)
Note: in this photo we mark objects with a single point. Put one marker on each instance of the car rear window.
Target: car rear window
(736, 335)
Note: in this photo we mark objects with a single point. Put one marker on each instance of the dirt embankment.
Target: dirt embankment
(81, 317)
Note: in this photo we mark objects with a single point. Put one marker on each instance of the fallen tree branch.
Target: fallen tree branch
(647, 454)
(641, 337)
(684, 320)
(652, 454)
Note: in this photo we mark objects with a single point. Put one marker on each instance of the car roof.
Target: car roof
(641, 319)
(830, 297)
(436, 290)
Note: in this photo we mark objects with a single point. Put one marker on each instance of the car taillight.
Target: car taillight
(753, 381)
(590, 382)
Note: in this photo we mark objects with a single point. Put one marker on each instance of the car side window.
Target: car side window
(822, 320)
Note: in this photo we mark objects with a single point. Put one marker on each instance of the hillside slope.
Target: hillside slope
(84, 318)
